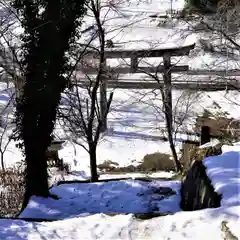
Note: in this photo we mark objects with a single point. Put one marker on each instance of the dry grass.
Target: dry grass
(151, 163)
(11, 191)
(157, 162)
(198, 154)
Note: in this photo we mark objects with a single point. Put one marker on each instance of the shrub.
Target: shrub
(221, 126)
(11, 192)
(107, 165)
(157, 162)
(151, 162)
(202, 6)
(198, 154)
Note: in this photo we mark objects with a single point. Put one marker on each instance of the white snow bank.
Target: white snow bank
(196, 225)
(224, 172)
(160, 174)
(128, 196)
(213, 143)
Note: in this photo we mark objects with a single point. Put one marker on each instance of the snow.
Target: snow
(105, 210)
(83, 210)
(184, 225)
(224, 172)
(135, 125)
(78, 202)
(213, 143)
(128, 196)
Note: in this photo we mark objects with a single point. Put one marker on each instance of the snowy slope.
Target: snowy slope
(135, 122)
(202, 224)
(184, 225)
(127, 148)
(129, 196)
(130, 26)
(224, 172)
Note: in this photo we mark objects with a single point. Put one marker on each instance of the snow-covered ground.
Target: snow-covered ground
(77, 201)
(128, 196)
(135, 126)
(224, 171)
(199, 225)
(135, 123)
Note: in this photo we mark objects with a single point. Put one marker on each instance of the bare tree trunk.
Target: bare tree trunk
(93, 163)
(167, 103)
(178, 165)
(103, 103)
(2, 162)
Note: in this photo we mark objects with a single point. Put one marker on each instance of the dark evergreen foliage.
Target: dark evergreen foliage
(50, 30)
(203, 6)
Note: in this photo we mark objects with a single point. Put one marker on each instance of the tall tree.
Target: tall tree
(87, 104)
(50, 28)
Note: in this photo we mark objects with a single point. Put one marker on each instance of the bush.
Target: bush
(203, 7)
(198, 154)
(151, 162)
(11, 192)
(107, 165)
(221, 126)
(157, 162)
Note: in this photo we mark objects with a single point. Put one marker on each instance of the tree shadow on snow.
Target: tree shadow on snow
(109, 198)
(20, 230)
(228, 213)
(136, 135)
(13, 229)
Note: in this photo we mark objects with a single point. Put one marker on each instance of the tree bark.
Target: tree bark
(93, 163)
(47, 38)
(36, 179)
(2, 162)
(167, 103)
(178, 166)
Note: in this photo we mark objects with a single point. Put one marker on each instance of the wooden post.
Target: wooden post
(205, 135)
(103, 100)
(186, 148)
(134, 64)
(186, 154)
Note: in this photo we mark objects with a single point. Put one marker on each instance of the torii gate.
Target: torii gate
(166, 69)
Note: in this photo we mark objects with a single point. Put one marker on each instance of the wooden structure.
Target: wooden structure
(187, 146)
(217, 126)
(221, 128)
(206, 80)
(52, 154)
(198, 82)
(135, 56)
(205, 135)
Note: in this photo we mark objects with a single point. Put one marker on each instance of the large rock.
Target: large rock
(197, 191)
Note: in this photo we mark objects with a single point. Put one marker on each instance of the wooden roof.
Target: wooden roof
(176, 51)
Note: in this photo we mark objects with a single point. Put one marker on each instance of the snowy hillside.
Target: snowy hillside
(135, 123)
(111, 209)
(135, 120)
